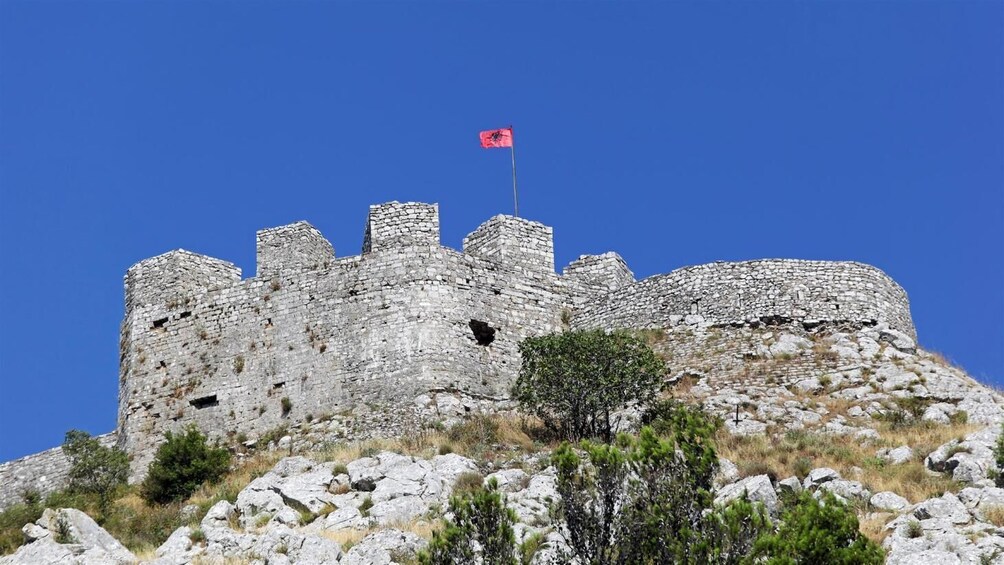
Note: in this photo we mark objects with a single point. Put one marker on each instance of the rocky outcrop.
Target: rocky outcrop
(68, 536)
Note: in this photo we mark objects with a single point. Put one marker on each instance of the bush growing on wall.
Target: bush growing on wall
(183, 463)
(575, 381)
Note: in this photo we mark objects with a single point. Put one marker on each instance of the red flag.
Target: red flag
(497, 138)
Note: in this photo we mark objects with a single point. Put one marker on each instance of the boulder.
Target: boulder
(73, 538)
(889, 502)
(791, 485)
(727, 473)
(378, 548)
(948, 508)
(756, 489)
(896, 456)
(846, 490)
(401, 509)
(178, 549)
(819, 476)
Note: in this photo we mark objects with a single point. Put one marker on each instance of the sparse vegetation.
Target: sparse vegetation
(287, 406)
(364, 508)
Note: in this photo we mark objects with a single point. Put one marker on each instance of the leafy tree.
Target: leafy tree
(481, 527)
(645, 500)
(574, 381)
(94, 468)
(817, 531)
(183, 463)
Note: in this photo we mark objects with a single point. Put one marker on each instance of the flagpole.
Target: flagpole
(515, 195)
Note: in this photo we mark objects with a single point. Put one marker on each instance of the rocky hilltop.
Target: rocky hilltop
(361, 392)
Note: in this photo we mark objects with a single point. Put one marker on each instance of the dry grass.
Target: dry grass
(796, 452)
(994, 514)
(485, 437)
(202, 560)
(350, 537)
(234, 481)
(873, 527)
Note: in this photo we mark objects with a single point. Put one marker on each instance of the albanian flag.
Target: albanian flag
(497, 138)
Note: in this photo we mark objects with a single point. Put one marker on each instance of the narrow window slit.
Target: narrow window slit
(204, 402)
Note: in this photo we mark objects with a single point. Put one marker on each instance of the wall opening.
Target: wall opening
(204, 402)
(483, 333)
(157, 324)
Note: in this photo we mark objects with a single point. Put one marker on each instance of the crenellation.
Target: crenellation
(290, 249)
(596, 275)
(176, 277)
(515, 242)
(401, 224)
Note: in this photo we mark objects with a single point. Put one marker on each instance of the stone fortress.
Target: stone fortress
(369, 335)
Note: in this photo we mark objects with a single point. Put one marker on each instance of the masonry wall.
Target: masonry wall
(754, 291)
(364, 333)
(43, 473)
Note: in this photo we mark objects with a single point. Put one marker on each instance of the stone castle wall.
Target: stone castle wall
(331, 335)
(312, 334)
(768, 290)
(41, 473)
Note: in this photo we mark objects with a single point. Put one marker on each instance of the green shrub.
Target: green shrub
(481, 531)
(817, 531)
(287, 406)
(692, 430)
(574, 381)
(648, 500)
(364, 508)
(999, 456)
(183, 463)
(95, 468)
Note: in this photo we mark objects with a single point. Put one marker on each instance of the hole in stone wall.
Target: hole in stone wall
(159, 323)
(279, 385)
(695, 307)
(204, 402)
(184, 315)
(483, 333)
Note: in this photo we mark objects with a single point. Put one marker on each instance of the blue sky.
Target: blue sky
(672, 133)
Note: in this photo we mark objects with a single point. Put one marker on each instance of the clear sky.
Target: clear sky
(672, 133)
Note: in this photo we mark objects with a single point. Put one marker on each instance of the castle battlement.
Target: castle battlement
(313, 334)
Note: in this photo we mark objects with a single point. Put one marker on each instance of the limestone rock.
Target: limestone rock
(381, 547)
(948, 507)
(756, 489)
(83, 542)
(819, 476)
(896, 456)
(889, 501)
